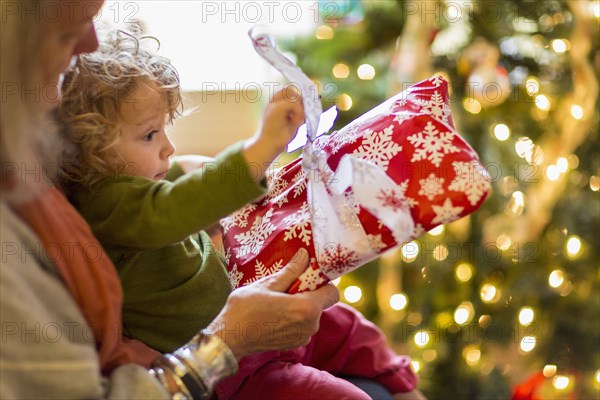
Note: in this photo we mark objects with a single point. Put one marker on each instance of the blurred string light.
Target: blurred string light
(489, 293)
(471, 105)
(398, 301)
(594, 183)
(366, 72)
(560, 45)
(344, 102)
(523, 146)
(341, 71)
(484, 320)
(552, 172)
(503, 242)
(352, 294)
(594, 7)
(528, 150)
(526, 316)
(560, 382)
(324, 32)
(472, 354)
(542, 102)
(516, 204)
(429, 355)
(438, 230)
(577, 111)
(502, 132)
(421, 338)
(549, 370)
(532, 85)
(598, 376)
(464, 313)
(410, 251)
(464, 272)
(573, 246)
(416, 366)
(440, 252)
(528, 343)
(562, 164)
(556, 278)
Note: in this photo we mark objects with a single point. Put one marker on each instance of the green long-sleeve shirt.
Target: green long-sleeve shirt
(174, 281)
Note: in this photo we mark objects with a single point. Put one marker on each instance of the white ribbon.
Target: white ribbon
(334, 216)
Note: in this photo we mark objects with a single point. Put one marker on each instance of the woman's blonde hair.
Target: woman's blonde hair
(29, 147)
(94, 91)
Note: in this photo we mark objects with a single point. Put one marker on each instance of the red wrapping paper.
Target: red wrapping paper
(411, 137)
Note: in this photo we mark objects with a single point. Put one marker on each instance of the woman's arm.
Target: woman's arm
(48, 350)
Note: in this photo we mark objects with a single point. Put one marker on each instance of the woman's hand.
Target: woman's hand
(282, 117)
(261, 317)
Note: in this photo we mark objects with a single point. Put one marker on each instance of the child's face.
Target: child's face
(144, 144)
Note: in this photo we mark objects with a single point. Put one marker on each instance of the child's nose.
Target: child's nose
(168, 148)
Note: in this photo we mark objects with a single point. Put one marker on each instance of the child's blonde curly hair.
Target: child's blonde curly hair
(94, 91)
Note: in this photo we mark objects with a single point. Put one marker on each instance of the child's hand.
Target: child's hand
(282, 117)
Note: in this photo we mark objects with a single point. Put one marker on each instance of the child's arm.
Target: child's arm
(137, 213)
(192, 162)
(282, 117)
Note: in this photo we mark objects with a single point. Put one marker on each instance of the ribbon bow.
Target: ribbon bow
(334, 198)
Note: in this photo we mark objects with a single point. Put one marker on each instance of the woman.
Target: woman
(60, 298)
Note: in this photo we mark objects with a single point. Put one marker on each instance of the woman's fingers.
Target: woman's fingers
(283, 279)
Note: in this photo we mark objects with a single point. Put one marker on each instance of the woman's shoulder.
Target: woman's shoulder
(14, 232)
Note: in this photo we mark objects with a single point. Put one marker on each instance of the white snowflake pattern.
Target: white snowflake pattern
(418, 231)
(409, 200)
(392, 199)
(431, 186)
(235, 276)
(348, 215)
(436, 107)
(311, 279)
(401, 102)
(253, 240)
(276, 188)
(238, 218)
(261, 270)
(298, 225)
(437, 80)
(471, 179)
(446, 213)
(227, 255)
(378, 147)
(349, 195)
(300, 180)
(376, 242)
(432, 145)
(342, 138)
(338, 259)
(401, 117)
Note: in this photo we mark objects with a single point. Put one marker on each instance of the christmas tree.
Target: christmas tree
(506, 302)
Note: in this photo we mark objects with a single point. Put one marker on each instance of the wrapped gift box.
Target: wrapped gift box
(386, 178)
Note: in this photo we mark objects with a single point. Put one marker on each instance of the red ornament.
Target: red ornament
(527, 389)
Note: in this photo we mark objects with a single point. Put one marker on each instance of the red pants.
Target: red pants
(346, 344)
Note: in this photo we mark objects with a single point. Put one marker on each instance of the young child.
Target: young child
(149, 210)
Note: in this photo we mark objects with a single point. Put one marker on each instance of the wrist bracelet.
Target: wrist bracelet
(197, 367)
(213, 358)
